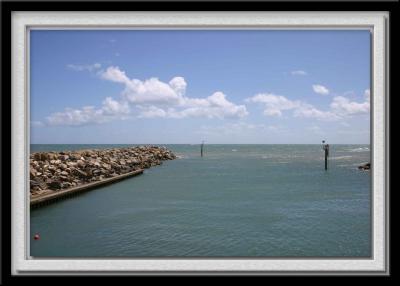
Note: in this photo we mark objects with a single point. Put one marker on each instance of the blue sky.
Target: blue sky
(185, 86)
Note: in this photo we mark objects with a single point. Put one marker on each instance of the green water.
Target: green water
(238, 200)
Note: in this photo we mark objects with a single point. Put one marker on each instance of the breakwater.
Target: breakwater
(53, 173)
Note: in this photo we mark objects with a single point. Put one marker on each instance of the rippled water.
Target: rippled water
(238, 200)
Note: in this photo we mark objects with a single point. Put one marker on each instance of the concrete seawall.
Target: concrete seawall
(46, 199)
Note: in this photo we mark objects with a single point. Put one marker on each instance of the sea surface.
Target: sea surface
(237, 201)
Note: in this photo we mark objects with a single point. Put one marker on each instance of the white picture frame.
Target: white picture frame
(23, 22)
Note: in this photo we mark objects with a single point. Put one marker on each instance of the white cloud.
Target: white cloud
(340, 108)
(274, 105)
(89, 68)
(214, 106)
(115, 74)
(178, 84)
(320, 89)
(298, 72)
(343, 106)
(110, 110)
(159, 99)
(151, 98)
(75, 117)
(113, 107)
(309, 111)
(151, 112)
(151, 91)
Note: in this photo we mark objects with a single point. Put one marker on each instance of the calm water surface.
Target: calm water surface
(238, 200)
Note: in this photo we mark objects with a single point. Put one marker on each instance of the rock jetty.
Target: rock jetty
(366, 166)
(56, 171)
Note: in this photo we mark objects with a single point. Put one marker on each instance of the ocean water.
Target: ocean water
(236, 201)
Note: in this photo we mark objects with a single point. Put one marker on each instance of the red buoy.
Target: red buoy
(36, 237)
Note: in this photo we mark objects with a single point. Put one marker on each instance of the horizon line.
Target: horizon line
(197, 143)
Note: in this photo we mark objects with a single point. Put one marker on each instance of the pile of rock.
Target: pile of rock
(62, 170)
(366, 166)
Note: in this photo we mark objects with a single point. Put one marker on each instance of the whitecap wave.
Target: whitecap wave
(360, 149)
(281, 156)
(341, 157)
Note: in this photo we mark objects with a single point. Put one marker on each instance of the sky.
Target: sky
(186, 86)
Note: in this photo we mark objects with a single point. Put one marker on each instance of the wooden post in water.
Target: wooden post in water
(201, 148)
(325, 147)
(326, 161)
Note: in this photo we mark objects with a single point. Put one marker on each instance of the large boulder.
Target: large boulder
(55, 184)
(79, 173)
(32, 173)
(63, 157)
(80, 163)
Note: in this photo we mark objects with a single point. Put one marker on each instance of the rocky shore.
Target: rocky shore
(366, 166)
(56, 171)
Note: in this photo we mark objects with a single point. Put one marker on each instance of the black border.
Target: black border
(5, 99)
